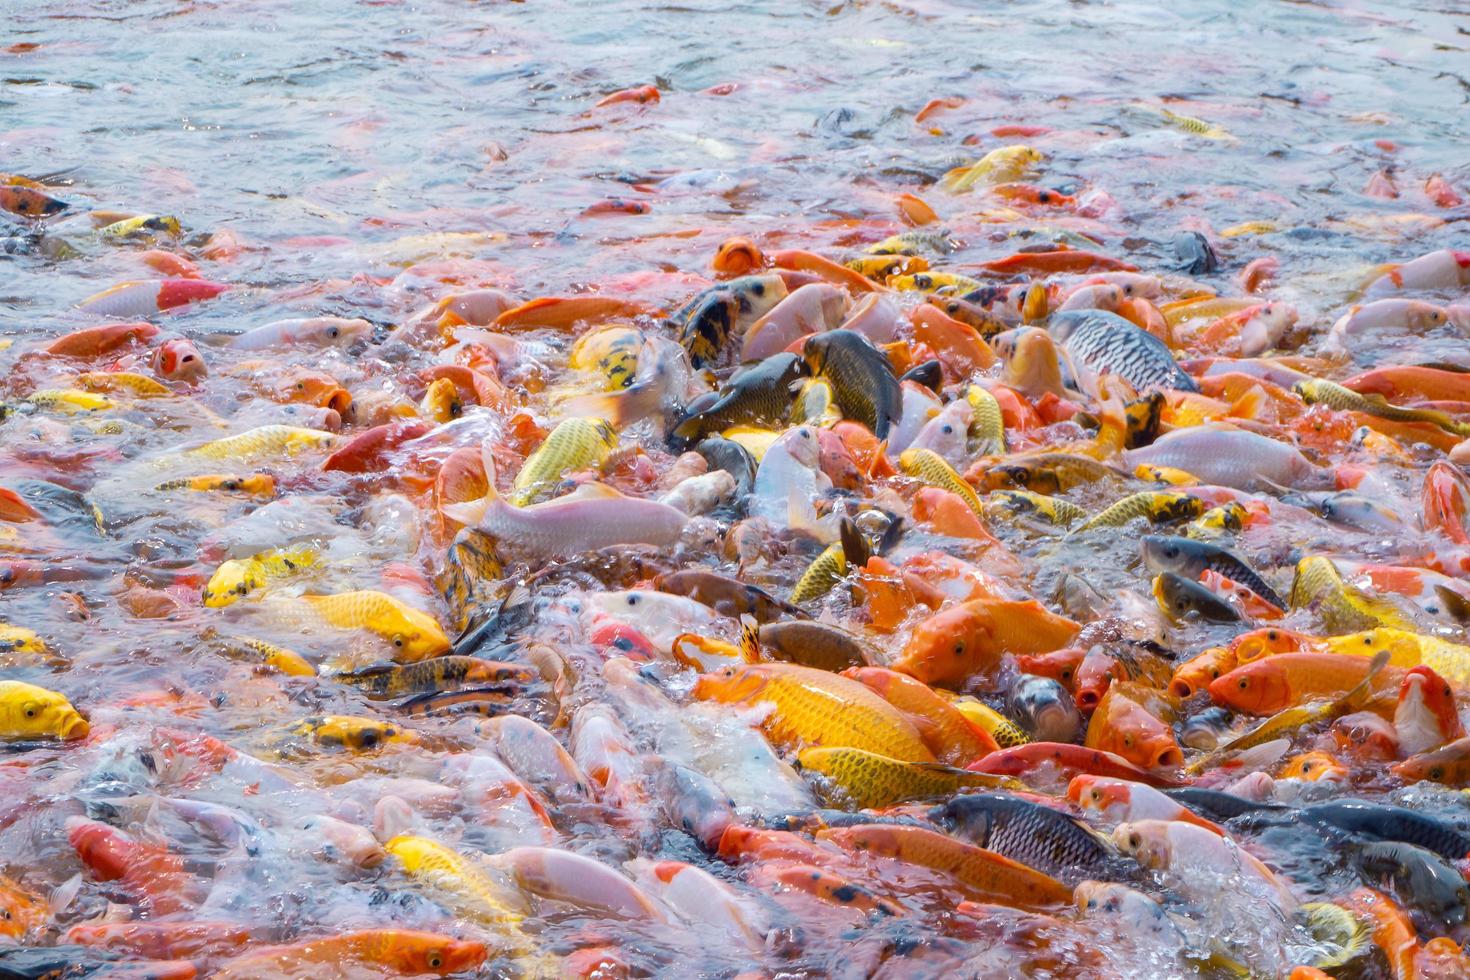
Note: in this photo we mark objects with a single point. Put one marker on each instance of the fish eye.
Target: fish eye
(758, 288)
(632, 600)
(369, 738)
(1244, 683)
(435, 961)
(947, 430)
(1134, 840)
(1272, 635)
(398, 641)
(1436, 773)
(333, 332)
(30, 711)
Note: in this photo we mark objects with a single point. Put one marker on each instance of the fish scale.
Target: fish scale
(1032, 834)
(1192, 558)
(575, 444)
(813, 707)
(871, 780)
(1109, 344)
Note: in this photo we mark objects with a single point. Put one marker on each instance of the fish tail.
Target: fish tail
(471, 512)
(620, 408)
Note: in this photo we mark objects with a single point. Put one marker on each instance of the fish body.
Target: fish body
(317, 331)
(414, 635)
(1105, 343)
(989, 875)
(236, 579)
(1321, 392)
(1342, 606)
(861, 376)
(356, 734)
(1193, 558)
(1055, 510)
(149, 296)
(575, 444)
(954, 644)
(1003, 730)
(868, 780)
(591, 517)
(142, 226)
(395, 952)
(987, 426)
(1158, 506)
(474, 890)
(1272, 684)
(1034, 835)
(931, 468)
(759, 395)
(265, 441)
(436, 674)
(815, 708)
(279, 658)
(1222, 454)
(1003, 165)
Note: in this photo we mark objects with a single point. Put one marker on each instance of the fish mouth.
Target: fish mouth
(75, 727)
(1169, 756)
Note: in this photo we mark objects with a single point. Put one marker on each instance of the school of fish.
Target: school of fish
(982, 575)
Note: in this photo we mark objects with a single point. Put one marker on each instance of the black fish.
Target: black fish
(1217, 804)
(1395, 823)
(728, 455)
(861, 376)
(1195, 255)
(1035, 835)
(1190, 558)
(758, 395)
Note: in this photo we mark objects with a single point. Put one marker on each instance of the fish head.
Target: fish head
(1146, 841)
(430, 953)
(179, 360)
(441, 402)
(414, 635)
(1314, 767)
(335, 331)
(1106, 797)
(802, 444)
(1094, 675)
(1366, 737)
(1197, 673)
(1446, 502)
(1425, 717)
(1260, 688)
(729, 685)
(37, 712)
(611, 634)
(837, 462)
(1252, 646)
(231, 581)
(1162, 553)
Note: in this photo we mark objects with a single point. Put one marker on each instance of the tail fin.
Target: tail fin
(471, 512)
(855, 547)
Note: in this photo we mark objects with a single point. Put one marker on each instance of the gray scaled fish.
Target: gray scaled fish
(1192, 558)
(1100, 342)
(1037, 836)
